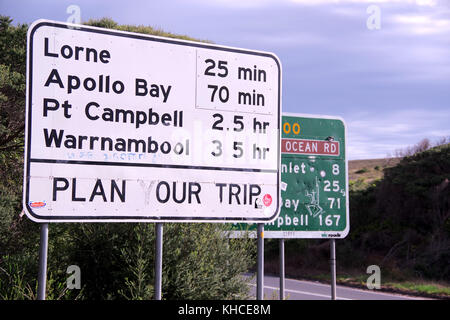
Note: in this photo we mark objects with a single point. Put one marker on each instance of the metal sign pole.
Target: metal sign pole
(282, 269)
(260, 263)
(43, 249)
(333, 268)
(158, 259)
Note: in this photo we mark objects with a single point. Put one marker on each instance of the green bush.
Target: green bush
(117, 261)
(363, 170)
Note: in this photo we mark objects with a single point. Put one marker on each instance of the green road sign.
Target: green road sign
(314, 180)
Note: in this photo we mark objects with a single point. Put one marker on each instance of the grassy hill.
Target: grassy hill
(369, 170)
(402, 222)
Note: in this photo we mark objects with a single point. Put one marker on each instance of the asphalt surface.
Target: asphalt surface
(309, 290)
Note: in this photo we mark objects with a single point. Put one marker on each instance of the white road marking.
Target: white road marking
(302, 292)
(349, 290)
(367, 291)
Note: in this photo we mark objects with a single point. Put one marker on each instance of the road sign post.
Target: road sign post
(282, 268)
(43, 254)
(333, 268)
(314, 179)
(314, 182)
(260, 263)
(127, 127)
(158, 260)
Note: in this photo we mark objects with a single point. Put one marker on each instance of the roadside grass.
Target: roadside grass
(419, 287)
(428, 288)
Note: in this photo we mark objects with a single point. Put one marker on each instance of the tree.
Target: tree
(12, 115)
(12, 85)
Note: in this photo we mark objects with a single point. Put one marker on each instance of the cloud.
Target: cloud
(289, 39)
(372, 136)
(322, 2)
(422, 24)
(265, 3)
(241, 4)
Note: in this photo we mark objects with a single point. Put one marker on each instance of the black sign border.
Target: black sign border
(44, 219)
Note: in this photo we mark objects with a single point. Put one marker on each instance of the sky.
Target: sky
(381, 65)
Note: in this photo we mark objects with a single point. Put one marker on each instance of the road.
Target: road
(309, 290)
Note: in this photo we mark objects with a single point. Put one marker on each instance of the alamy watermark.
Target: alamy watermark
(74, 12)
(374, 280)
(74, 280)
(374, 20)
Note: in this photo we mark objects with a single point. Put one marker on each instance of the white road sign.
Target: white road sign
(130, 127)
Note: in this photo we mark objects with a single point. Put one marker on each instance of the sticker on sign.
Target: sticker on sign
(130, 127)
